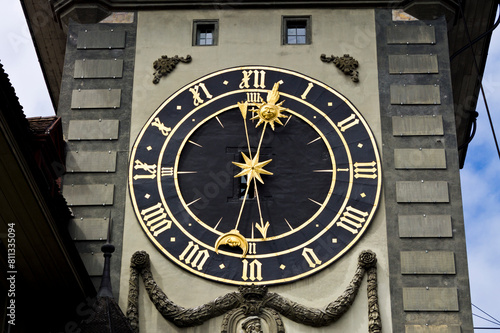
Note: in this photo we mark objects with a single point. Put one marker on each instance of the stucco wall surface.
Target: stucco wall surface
(253, 37)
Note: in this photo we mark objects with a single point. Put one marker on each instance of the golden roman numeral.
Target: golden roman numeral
(309, 87)
(352, 219)
(162, 128)
(259, 78)
(363, 170)
(252, 248)
(252, 271)
(348, 122)
(167, 171)
(253, 97)
(151, 168)
(311, 257)
(191, 255)
(155, 218)
(196, 95)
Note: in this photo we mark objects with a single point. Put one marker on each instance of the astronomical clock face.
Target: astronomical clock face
(255, 175)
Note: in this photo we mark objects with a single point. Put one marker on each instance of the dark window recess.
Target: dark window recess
(205, 33)
(296, 31)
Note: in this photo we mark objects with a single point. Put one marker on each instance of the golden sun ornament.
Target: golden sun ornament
(269, 112)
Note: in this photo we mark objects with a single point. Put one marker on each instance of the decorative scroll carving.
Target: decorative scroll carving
(346, 64)
(164, 65)
(254, 301)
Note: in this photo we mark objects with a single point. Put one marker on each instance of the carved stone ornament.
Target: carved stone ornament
(253, 301)
(164, 65)
(252, 325)
(346, 64)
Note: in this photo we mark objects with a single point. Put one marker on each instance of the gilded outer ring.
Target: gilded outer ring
(295, 277)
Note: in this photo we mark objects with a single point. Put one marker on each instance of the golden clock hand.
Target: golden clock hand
(260, 144)
(242, 205)
(243, 109)
(233, 238)
(253, 168)
(262, 228)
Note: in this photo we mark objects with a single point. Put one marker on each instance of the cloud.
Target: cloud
(18, 56)
(480, 180)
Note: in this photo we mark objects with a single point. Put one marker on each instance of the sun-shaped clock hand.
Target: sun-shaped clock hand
(269, 112)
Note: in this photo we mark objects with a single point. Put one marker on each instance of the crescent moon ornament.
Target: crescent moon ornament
(232, 238)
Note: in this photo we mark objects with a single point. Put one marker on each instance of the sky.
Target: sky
(480, 177)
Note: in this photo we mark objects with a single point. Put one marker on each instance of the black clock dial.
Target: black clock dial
(255, 175)
(285, 197)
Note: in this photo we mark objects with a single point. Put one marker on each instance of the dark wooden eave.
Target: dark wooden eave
(49, 38)
(51, 280)
(466, 80)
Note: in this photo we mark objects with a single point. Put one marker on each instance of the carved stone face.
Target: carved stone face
(252, 325)
(254, 328)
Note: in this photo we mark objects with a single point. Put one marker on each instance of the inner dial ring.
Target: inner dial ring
(233, 108)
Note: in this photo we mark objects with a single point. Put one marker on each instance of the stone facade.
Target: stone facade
(404, 93)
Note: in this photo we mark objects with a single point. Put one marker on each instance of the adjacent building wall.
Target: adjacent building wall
(95, 108)
(425, 229)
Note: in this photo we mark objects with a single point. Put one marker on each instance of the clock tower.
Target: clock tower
(258, 153)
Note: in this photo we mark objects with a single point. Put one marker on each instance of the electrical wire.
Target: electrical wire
(490, 321)
(477, 39)
(473, 133)
(496, 320)
(480, 78)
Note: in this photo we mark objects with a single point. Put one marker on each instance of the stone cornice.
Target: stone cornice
(93, 11)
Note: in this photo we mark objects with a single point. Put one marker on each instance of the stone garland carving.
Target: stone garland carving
(374, 320)
(164, 65)
(346, 64)
(253, 300)
(133, 291)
